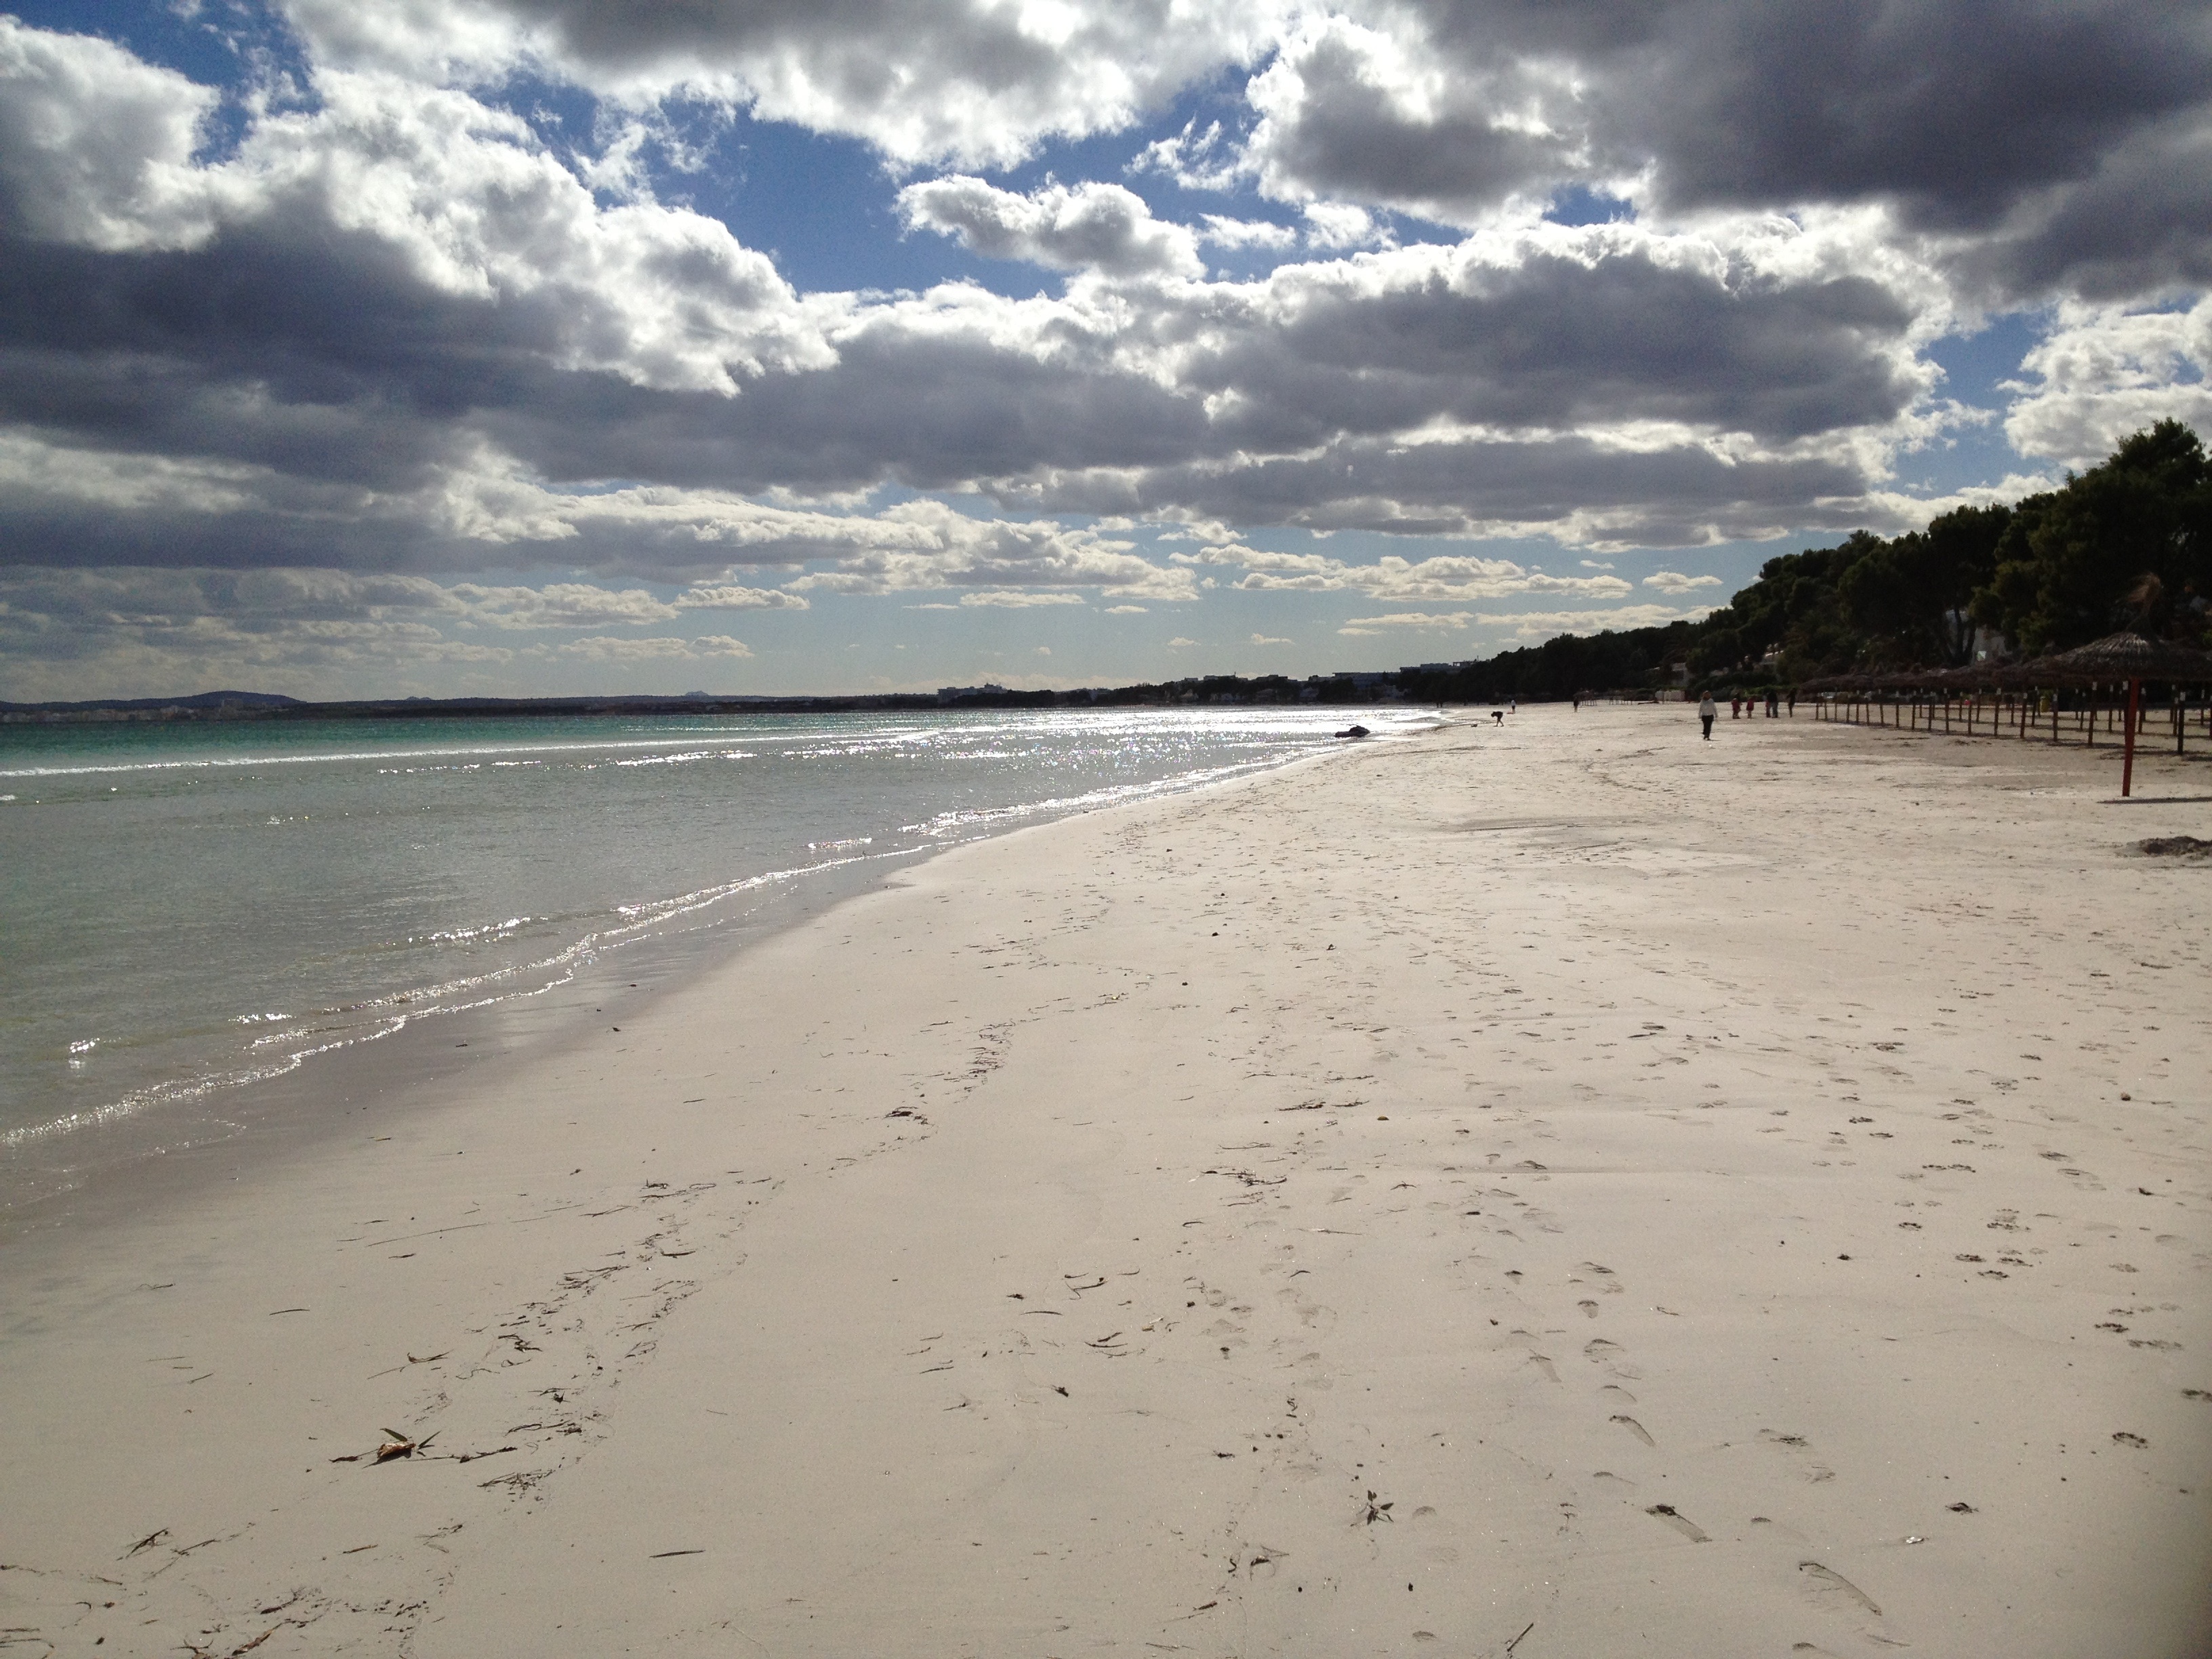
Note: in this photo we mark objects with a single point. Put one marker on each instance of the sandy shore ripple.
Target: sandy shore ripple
(1564, 1190)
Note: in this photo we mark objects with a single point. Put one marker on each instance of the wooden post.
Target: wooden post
(2128, 750)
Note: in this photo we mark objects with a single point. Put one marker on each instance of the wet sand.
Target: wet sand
(1569, 1188)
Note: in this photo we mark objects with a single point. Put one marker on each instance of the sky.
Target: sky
(382, 347)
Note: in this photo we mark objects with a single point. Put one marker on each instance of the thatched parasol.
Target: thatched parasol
(2118, 657)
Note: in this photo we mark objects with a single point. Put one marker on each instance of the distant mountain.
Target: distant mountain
(129, 705)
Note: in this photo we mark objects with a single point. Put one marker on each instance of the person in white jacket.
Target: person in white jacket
(1706, 712)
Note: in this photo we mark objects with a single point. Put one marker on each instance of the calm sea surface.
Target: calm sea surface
(186, 908)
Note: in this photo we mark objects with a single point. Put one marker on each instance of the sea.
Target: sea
(191, 909)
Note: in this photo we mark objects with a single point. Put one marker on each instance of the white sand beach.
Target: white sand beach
(1561, 1190)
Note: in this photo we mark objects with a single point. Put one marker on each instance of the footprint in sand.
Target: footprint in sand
(1831, 1590)
(1619, 1393)
(1634, 1428)
(1542, 1362)
(1812, 1471)
(1681, 1522)
(1588, 1308)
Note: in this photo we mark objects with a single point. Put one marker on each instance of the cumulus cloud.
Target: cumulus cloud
(377, 322)
(2105, 372)
(724, 596)
(1105, 228)
(1267, 639)
(1413, 112)
(1673, 581)
(1597, 383)
(1342, 224)
(970, 81)
(96, 146)
(1224, 231)
(1952, 116)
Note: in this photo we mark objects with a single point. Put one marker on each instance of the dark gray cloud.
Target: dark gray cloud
(1956, 114)
(1952, 110)
(351, 393)
(2140, 225)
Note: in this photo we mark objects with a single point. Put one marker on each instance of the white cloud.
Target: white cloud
(1127, 610)
(1342, 224)
(1442, 576)
(2104, 372)
(1544, 624)
(151, 631)
(620, 649)
(1020, 599)
(556, 604)
(1367, 626)
(96, 145)
(925, 544)
(725, 596)
(1221, 231)
(924, 79)
(1596, 564)
(1673, 581)
(1196, 159)
(1097, 227)
(1179, 643)
(96, 148)
(1265, 639)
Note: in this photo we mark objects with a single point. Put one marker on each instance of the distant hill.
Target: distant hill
(206, 700)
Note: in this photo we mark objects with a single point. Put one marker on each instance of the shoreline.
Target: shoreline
(1501, 1179)
(47, 1171)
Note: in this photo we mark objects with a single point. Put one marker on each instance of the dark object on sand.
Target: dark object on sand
(1354, 731)
(2176, 847)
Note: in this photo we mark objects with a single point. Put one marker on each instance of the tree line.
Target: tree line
(2126, 545)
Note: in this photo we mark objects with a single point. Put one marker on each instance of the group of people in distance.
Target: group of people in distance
(1743, 709)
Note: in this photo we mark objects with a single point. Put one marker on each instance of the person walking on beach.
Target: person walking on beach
(1708, 711)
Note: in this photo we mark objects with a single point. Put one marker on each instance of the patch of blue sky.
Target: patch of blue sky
(1579, 204)
(826, 207)
(1977, 369)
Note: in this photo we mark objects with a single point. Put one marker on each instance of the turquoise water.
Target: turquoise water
(188, 908)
